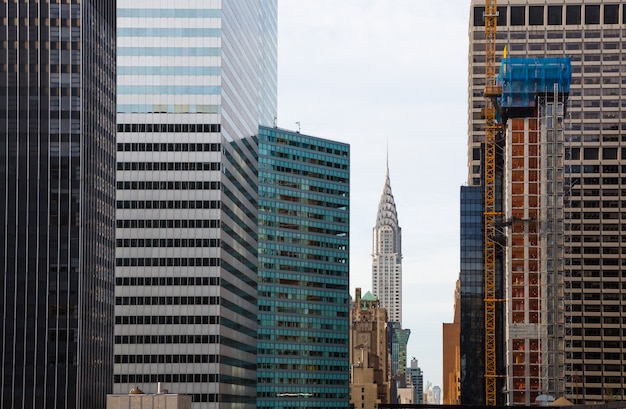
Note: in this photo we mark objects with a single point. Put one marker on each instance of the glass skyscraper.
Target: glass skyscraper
(195, 81)
(57, 172)
(472, 343)
(304, 199)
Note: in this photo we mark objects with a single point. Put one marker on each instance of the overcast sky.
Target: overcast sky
(378, 73)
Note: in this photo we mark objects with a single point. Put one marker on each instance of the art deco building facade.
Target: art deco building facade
(304, 199)
(387, 256)
(195, 80)
(590, 34)
(370, 369)
(57, 172)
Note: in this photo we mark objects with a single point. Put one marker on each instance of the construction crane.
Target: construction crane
(492, 91)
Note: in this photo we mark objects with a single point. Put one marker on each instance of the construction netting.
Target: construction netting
(524, 79)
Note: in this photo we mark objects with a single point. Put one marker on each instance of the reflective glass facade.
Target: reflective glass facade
(304, 199)
(195, 81)
(472, 294)
(57, 172)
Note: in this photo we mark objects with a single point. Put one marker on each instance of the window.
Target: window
(501, 16)
(535, 15)
(592, 14)
(591, 153)
(555, 15)
(611, 13)
(572, 153)
(479, 16)
(518, 15)
(572, 15)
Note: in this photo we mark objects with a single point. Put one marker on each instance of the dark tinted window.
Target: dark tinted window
(518, 15)
(501, 16)
(555, 15)
(535, 15)
(591, 153)
(609, 153)
(476, 154)
(572, 15)
(611, 13)
(592, 14)
(479, 16)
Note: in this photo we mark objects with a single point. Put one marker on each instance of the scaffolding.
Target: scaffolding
(525, 79)
(535, 90)
(551, 111)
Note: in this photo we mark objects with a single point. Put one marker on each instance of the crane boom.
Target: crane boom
(492, 90)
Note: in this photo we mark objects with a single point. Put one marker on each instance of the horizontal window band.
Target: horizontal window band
(163, 185)
(169, 13)
(169, 128)
(167, 262)
(169, 90)
(166, 223)
(168, 32)
(169, 51)
(193, 166)
(157, 70)
(169, 108)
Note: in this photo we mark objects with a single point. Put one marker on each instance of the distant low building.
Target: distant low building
(137, 399)
(452, 354)
(369, 357)
(414, 372)
(432, 394)
(406, 395)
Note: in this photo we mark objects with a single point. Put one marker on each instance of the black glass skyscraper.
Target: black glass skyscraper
(57, 170)
(472, 294)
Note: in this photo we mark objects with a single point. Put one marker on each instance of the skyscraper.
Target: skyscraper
(387, 256)
(304, 200)
(472, 323)
(57, 172)
(589, 33)
(417, 379)
(534, 91)
(195, 80)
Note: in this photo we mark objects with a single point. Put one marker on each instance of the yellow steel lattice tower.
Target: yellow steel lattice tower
(492, 90)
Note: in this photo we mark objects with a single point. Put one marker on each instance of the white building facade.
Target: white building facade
(195, 81)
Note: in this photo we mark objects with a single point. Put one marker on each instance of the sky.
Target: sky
(389, 77)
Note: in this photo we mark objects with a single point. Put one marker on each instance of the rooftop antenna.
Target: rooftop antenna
(298, 123)
(387, 156)
(275, 122)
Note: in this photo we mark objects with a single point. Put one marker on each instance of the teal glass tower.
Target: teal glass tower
(303, 285)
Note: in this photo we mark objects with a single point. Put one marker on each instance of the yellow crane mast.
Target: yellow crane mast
(492, 90)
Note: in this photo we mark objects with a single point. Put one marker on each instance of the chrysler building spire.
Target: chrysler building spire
(387, 255)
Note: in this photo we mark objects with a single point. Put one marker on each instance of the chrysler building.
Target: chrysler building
(387, 256)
